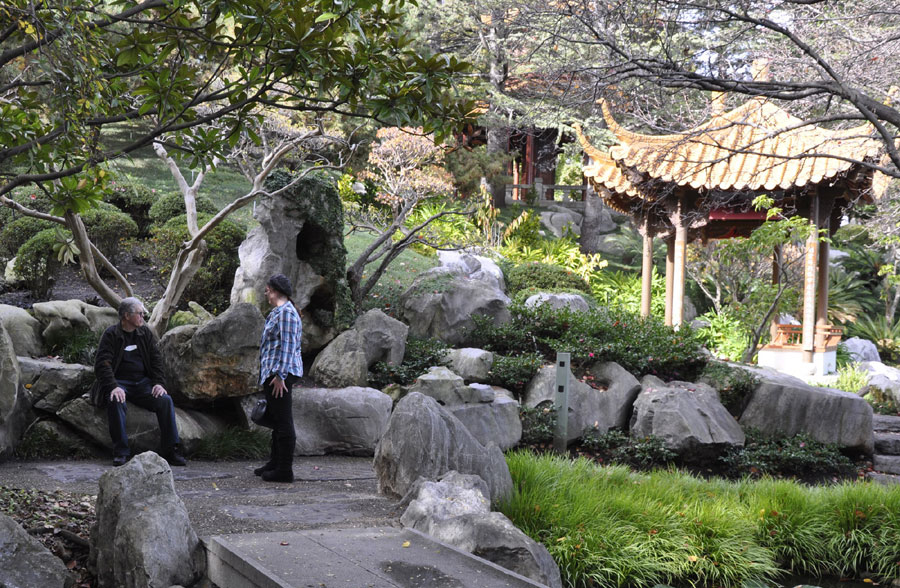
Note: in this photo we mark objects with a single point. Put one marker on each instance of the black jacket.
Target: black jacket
(109, 354)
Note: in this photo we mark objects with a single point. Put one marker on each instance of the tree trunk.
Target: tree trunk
(89, 267)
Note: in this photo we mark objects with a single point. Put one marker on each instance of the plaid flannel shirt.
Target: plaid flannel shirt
(279, 349)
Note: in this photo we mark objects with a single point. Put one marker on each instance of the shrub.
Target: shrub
(544, 277)
(882, 402)
(108, 228)
(735, 385)
(640, 345)
(420, 355)
(134, 200)
(14, 234)
(234, 444)
(36, 261)
(538, 425)
(513, 372)
(850, 378)
(211, 285)
(43, 443)
(80, 346)
(725, 335)
(618, 447)
(799, 455)
(171, 205)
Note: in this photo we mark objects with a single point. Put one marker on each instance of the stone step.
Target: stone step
(379, 557)
(886, 479)
(886, 423)
(886, 464)
(887, 443)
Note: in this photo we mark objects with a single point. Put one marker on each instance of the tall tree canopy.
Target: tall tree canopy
(70, 69)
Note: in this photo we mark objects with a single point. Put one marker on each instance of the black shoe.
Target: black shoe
(175, 459)
(266, 468)
(278, 476)
(120, 460)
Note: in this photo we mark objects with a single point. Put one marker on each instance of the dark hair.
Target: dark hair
(281, 283)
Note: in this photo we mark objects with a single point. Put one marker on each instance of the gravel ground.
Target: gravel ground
(225, 497)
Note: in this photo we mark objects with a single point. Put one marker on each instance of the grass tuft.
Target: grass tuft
(234, 444)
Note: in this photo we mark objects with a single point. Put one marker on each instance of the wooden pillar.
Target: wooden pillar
(776, 280)
(826, 205)
(679, 263)
(670, 277)
(646, 269)
(810, 271)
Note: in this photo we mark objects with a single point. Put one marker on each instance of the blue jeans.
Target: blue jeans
(139, 393)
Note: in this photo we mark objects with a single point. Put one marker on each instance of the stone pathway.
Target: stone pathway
(225, 497)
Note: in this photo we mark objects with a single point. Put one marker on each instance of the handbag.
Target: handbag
(259, 414)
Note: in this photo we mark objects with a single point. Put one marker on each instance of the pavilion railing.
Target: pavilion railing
(788, 336)
(547, 192)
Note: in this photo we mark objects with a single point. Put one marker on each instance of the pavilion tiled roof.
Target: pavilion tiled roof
(756, 146)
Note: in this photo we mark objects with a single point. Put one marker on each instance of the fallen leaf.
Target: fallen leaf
(405, 544)
(285, 543)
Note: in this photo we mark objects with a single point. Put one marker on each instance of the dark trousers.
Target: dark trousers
(139, 393)
(281, 412)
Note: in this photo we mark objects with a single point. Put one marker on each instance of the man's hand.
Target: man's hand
(117, 395)
(278, 387)
(158, 391)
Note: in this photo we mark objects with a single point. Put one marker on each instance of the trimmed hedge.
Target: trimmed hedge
(543, 277)
(15, 233)
(36, 261)
(107, 228)
(171, 205)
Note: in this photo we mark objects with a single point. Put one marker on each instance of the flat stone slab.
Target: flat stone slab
(886, 464)
(885, 422)
(885, 479)
(887, 443)
(378, 557)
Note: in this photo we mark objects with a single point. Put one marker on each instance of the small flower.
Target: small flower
(591, 354)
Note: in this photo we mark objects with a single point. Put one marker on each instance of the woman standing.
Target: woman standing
(280, 365)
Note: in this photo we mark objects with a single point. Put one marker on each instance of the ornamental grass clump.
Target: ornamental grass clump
(611, 527)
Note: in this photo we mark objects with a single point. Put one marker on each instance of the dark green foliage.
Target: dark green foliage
(36, 261)
(538, 425)
(41, 443)
(108, 228)
(800, 455)
(134, 200)
(79, 347)
(618, 447)
(513, 372)
(234, 443)
(171, 205)
(544, 277)
(211, 285)
(640, 345)
(527, 233)
(420, 355)
(735, 385)
(15, 233)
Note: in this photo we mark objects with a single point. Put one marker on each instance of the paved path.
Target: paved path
(225, 497)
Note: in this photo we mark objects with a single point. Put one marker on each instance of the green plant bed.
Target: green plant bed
(608, 526)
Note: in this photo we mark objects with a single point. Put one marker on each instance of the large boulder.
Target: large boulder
(218, 359)
(23, 329)
(448, 388)
(558, 301)
(348, 421)
(143, 537)
(560, 220)
(440, 304)
(496, 421)
(783, 404)
(60, 318)
(472, 365)
(474, 267)
(15, 402)
(300, 234)
(25, 563)
(861, 349)
(346, 360)
(688, 417)
(143, 428)
(342, 363)
(424, 439)
(454, 510)
(607, 406)
(883, 378)
(52, 382)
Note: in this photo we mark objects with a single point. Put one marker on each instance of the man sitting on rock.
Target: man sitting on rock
(128, 367)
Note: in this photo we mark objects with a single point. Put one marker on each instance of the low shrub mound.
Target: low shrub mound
(171, 205)
(543, 277)
(611, 527)
(640, 345)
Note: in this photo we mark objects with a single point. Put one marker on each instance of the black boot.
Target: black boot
(284, 460)
(273, 459)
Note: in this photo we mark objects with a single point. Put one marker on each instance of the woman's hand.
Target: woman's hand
(278, 387)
